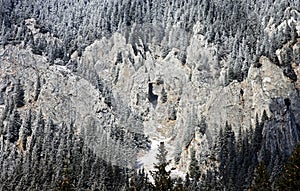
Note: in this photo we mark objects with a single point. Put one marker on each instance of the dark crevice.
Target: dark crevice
(151, 96)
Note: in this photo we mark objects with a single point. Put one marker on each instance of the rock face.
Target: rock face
(241, 101)
(170, 97)
(166, 97)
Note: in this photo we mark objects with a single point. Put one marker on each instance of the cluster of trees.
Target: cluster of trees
(288, 179)
(162, 180)
(37, 153)
(236, 157)
(29, 142)
(235, 164)
(236, 28)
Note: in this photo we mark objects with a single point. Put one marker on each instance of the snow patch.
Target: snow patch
(267, 80)
(147, 159)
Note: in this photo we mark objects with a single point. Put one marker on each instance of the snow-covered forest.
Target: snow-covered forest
(88, 86)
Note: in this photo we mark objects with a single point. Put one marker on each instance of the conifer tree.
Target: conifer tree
(164, 95)
(139, 181)
(162, 178)
(194, 167)
(257, 137)
(26, 129)
(14, 126)
(261, 179)
(179, 185)
(19, 94)
(37, 88)
(187, 181)
(290, 179)
(65, 184)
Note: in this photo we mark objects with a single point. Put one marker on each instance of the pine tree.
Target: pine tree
(162, 178)
(139, 181)
(227, 156)
(187, 181)
(179, 185)
(194, 167)
(164, 96)
(14, 126)
(26, 129)
(257, 137)
(290, 179)
(264, 117)
(65, 184)
(37, 88)
(261, 179)
(19, 94)
(162, 154)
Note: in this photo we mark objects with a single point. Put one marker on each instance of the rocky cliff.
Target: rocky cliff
(117, 92)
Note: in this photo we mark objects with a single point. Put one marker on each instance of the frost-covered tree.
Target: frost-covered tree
(161, 176)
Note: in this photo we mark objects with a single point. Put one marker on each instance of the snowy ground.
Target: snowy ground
(147, 159)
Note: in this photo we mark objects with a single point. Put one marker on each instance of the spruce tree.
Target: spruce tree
(257, 137)
(19, 94)
(164, 96)
(139, 181)
(290, 179)
(194, 167)
(162, 178)
(187, 181)
(14, 126)
(179, 185)
(37, 88)
(26, 129)
(261, 179)
(65, 184)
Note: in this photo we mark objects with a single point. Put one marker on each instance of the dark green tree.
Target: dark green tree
(227, 156)
(257, 137)
(65, 184)
(19, 94)
(187, 181)
(26, 129)
(162, 178)
(14, 126)
(194, 167)
(290, 178)
(164, 95)
(178, 185)
(264, 117)
(261, 180)
(37, 88)
(139, 181)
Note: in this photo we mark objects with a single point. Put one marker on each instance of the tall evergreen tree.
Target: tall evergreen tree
(194, 167)
(162, 178)
(178, 185)
(26, 129)
(14, 126)
(261, 180)
(187, 181)
(139, 181)
(19, 94)
(290, 179)
(257, 137)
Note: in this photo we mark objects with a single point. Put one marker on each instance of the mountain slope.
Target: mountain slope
(106, 80)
